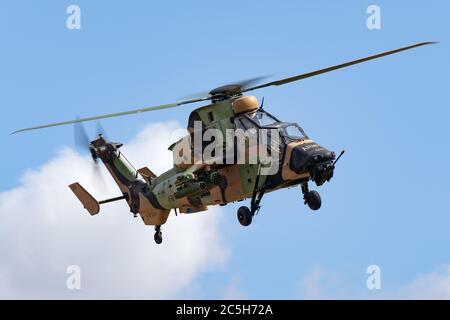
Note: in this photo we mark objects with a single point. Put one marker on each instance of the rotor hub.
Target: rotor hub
(225, 92)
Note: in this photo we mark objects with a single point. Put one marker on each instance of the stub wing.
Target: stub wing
(146, 173)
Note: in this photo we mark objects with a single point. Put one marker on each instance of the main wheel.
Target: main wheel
(313, 200)
(244, 216)
(158, 237)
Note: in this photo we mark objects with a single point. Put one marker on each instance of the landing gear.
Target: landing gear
(245, 216)
(158, 235)
(312, 198)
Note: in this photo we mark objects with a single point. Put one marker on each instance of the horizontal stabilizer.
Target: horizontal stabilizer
(88, 201)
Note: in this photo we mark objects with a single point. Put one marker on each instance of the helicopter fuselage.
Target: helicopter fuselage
(191, 187)
(204, 175)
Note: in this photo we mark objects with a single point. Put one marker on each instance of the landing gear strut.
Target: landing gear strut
(312, 198)
(245, 214)
(158, 235)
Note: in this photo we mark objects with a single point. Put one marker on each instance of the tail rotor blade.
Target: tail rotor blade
(98, 179)
(82, 143)
(81, 137)
(100, 130)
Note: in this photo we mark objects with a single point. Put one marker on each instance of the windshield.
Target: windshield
(293, 132)
(262, 118)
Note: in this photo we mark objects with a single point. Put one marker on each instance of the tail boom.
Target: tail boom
(135, 185)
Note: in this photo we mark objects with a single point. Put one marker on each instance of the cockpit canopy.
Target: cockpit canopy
(243, 113)
(261, 119)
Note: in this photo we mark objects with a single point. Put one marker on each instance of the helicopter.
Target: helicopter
(196, 182)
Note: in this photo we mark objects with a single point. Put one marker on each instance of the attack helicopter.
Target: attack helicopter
(191, 186)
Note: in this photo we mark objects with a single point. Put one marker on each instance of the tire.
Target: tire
(158, 237)
(244, 216)
(314, 201)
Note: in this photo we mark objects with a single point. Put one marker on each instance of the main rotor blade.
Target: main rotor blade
(339, 66)
(248, 82)
(112, 115)
(273, 83)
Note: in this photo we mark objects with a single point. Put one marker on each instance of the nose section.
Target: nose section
(314, 158)
(305, 156)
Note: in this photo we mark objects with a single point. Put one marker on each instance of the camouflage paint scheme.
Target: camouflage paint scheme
(153, 197)
(192, 188)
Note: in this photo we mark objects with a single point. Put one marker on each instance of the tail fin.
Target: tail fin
(88, 201)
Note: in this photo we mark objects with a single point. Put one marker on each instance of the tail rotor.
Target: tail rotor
(82, 143)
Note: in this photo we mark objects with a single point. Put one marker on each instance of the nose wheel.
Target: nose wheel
(158, 235)
(311, 198)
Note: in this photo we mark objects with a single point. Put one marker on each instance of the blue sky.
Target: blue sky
(387, 204)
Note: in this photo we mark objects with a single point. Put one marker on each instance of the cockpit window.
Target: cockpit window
(293, 132)
(263, 118)
(245, 124)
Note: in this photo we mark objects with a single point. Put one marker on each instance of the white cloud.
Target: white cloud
(44, 229)
(311, 284)
(322, 283)
(233, 291)
(433, 285)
